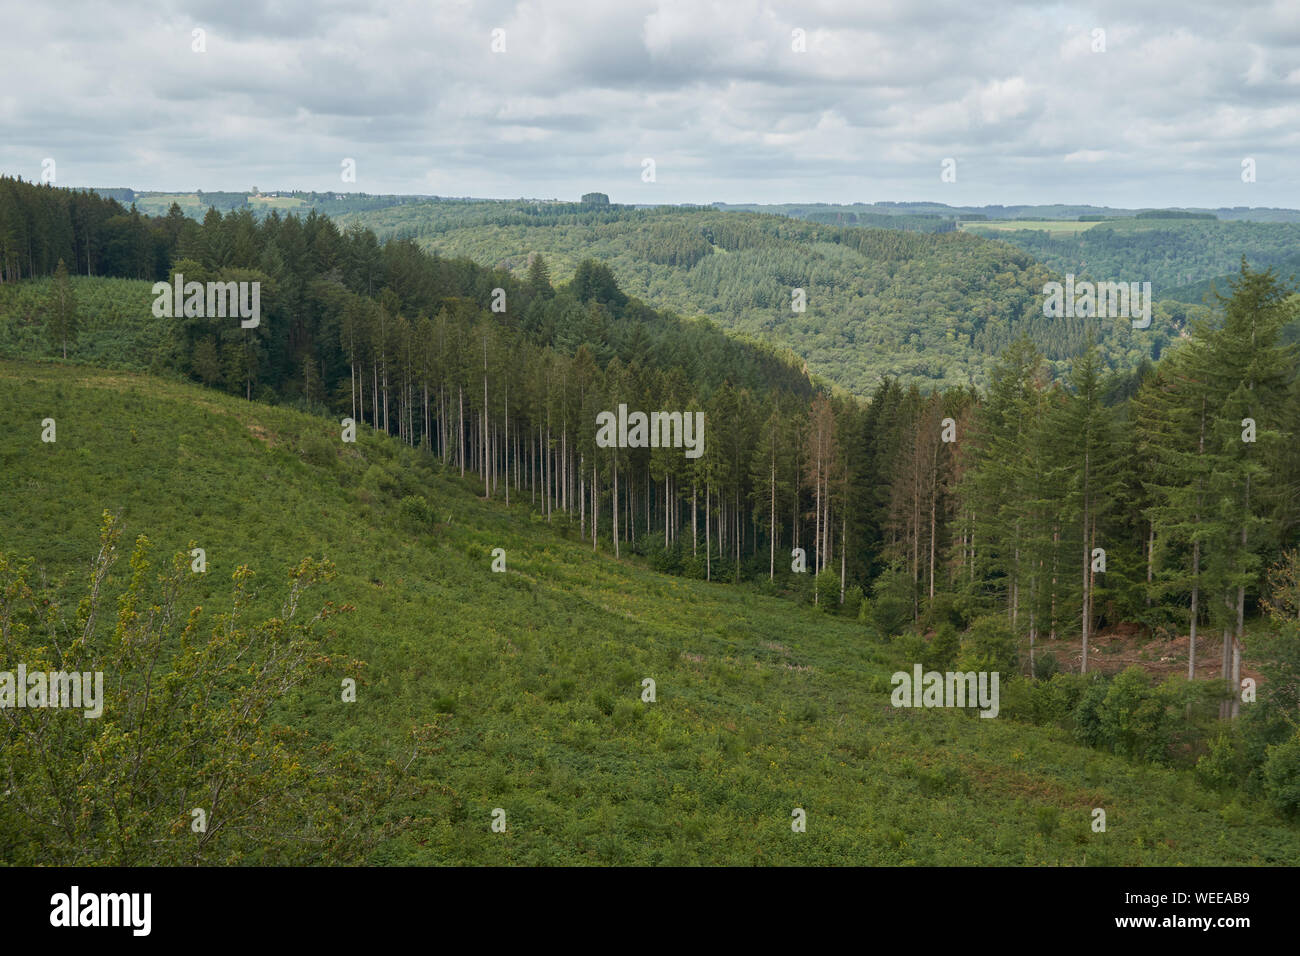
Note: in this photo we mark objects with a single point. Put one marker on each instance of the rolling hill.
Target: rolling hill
(934, 309)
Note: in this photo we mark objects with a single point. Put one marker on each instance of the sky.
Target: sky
(1111, 103)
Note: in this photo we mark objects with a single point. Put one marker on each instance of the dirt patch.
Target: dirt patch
(261, 434)
(1114, 649)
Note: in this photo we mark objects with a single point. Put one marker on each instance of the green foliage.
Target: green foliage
(416, 514)
(1046, 665)
(1282, 776)
(931, 308)
(852, 601)
(1222, 767)
(828, 592)
(1053, 702)
(185, 722)
(1133, 719)
(890, 607)
(762, 703)
(989, 645)
(1173, 254)
(944, 646)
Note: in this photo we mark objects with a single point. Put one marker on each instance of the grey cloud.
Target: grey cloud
(712, 90)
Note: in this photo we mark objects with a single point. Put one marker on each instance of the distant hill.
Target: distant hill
(934, 309)
(1176, 255)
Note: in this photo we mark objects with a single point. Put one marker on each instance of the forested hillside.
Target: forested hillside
(1171, 254)
(922, 212)
(931, 309)
(1023, 528)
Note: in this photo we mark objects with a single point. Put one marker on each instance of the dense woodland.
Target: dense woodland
(934, 309)
(1177, 255)
(1044, 507)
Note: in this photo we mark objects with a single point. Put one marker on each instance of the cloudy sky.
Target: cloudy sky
(1121, 103)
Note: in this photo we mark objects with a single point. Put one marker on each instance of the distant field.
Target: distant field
(277, 202)
(1067, 227)
(157, 205)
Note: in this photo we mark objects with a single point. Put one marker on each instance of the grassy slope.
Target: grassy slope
(762, 706)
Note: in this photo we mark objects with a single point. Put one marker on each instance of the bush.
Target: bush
(1135, 716)
(943, 649)
(603, 701)
(989, 645)
(666, 561)
(1046, 821)
(911, 647)
(1052, 701)
(852, 601)
(1046, 665)
(1087, 714)
(942, 609)
(1222, 767)
(828, 592)
(1282, 776)
(627, 712)
(1016, 698)
(1126, 716)
(318, 451)
(379, 482)
(414, 514)
(891, 602)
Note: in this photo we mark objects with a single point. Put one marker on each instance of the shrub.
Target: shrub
(379, 482)
(942, 609)
(1046, 820)
(989, 645)
(1015, 699)
(318, 451)
(1282, 776)
(852, 601)
(828, 592)
(1045, 665)
(1222, 767)
(891, 602)
(1053, 700)
(943, 649)
(627, 712)
(414, 514)
(1136, 716)
(1087, 714)
(912, 647)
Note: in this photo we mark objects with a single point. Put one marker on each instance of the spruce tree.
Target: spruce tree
(61, 307)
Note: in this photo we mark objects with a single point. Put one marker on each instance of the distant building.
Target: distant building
(596, 199)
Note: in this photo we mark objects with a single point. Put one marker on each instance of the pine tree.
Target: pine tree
(61, 307)
(1248, 375)
(1083, 461)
